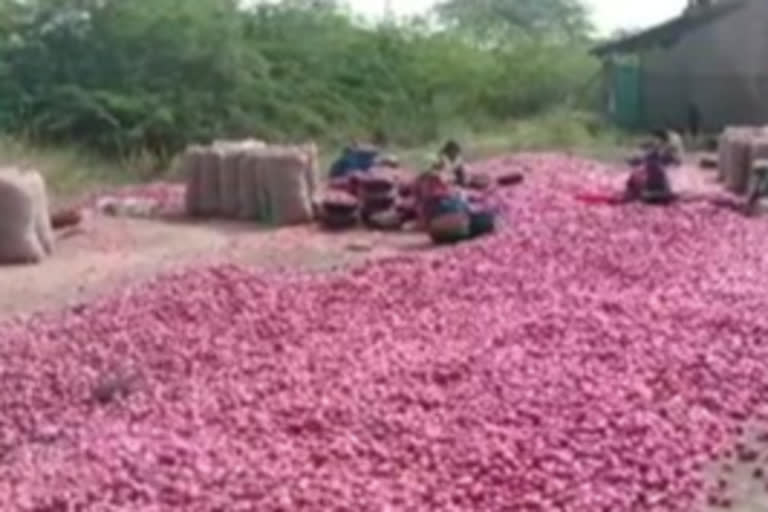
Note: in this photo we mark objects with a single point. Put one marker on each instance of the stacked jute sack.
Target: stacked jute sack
(26, 234)
(251, 180)
(739, 148)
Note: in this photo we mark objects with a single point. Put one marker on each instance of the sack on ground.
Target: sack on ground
(210, 186)
(249, 195)
(229, 181)
(190, 168)
(290, 200)
(35, 186)
(313, 168)
(19, 216)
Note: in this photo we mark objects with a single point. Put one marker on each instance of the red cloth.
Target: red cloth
(597, 198)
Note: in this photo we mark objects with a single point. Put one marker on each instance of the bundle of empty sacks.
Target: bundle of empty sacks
(251, 180)
(26, 234)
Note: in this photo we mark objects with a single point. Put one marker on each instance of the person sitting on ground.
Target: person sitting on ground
(656, 188)
(447, 215)
(354, 158)
(633, 189)
(648, 181)
(451, 162)
(360, 157)
(669, 146)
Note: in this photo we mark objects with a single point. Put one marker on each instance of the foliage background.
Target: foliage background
(126, 77)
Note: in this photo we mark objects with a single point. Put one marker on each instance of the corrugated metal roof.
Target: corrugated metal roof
(669, 32)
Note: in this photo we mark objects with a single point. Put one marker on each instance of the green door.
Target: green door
(627, 110)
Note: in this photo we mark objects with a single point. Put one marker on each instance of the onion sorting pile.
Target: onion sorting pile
(586, 359)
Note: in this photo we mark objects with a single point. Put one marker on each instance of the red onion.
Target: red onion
(586, 358)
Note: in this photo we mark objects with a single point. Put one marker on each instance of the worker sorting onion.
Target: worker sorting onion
(446, 211)
(649, 181)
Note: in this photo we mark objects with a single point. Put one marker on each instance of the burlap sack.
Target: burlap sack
(35, 186)
(238, 145)
(229, 180)
(231, 173)
(191, 165)
(313, 169)
(210, 182)
(757, 152)
(288, 186)
(728, 151)
(723, 153)
(19, 222)
(269, 182)
(250, 205)
(737, 175)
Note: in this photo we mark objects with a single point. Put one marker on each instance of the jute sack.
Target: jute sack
(241, 145)
(289, 189)
(19, 220)
(739, 159)
(288, 186)
(229, 181)
(190, 167)
(724, 152)
(35, 186)
(251, 195)
(231, 172)
(309, 151)
(728, 151)
(313, 169)
(210, 183)
(758, 152)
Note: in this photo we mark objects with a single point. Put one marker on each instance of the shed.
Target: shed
(706, 67)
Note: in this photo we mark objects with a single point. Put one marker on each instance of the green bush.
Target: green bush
(128, 76)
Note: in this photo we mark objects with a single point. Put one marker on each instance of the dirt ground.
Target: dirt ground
(106, 253)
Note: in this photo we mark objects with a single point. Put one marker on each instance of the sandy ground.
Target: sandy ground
(106, 253)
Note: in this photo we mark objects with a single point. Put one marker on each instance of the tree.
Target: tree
(498, 21)
(325, 5)
(128, 76)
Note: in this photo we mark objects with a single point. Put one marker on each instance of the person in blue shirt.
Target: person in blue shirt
(354, 158)
(358, 157)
